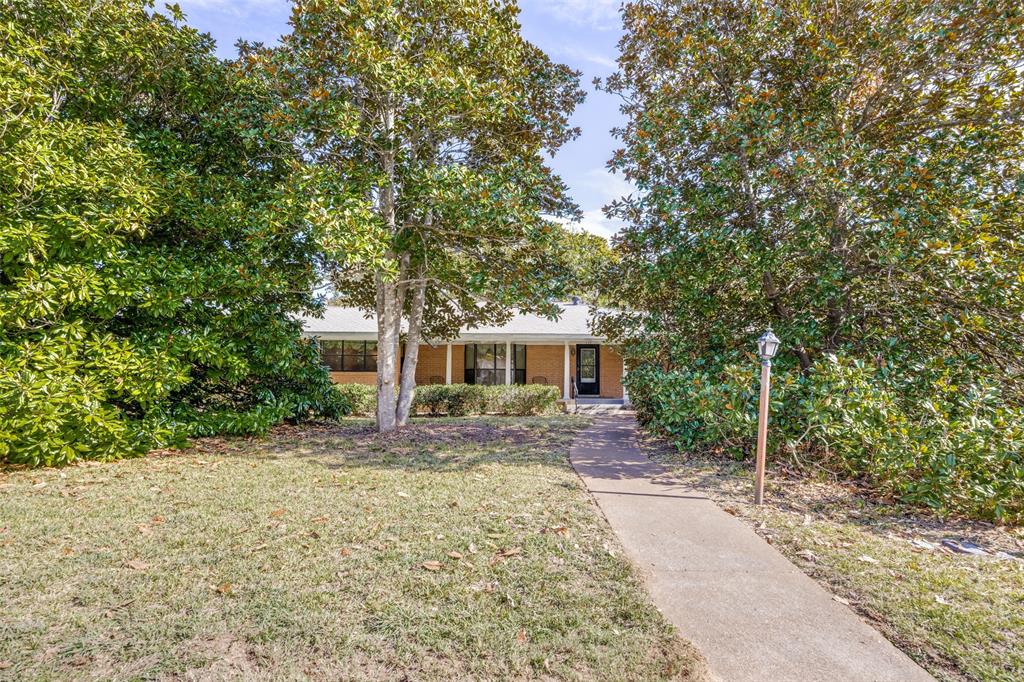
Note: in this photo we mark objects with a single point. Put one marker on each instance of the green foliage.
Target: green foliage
(521, 399)
(849, 173)
(361, 398)
(937, 440)
(587, 260)
(459, 400)
(153, 252)
(842, 171)
(455, 400)
(423, 127)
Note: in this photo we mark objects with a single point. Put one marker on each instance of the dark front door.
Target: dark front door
(588, 369)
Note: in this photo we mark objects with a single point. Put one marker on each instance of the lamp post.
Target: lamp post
(767, 347)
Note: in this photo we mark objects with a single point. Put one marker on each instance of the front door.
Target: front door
(588, 369)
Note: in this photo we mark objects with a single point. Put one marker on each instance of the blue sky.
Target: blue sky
(581, 33)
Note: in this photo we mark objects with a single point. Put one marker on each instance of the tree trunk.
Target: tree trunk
(412, 349)
(389, 305)
(387, 356)
(783, 311)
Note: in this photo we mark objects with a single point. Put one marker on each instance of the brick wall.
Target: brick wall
(611, 372)
(541, 361)
(431, 363)
(547, 362)
(368, 378)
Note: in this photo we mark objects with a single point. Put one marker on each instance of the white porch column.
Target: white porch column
(625, 391)
(508, 363)
(565, 374)
(448, 364)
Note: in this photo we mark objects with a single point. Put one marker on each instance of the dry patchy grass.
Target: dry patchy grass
(458, 549)
(961, 617)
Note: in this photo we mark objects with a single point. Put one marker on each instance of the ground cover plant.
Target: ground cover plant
(849, 173)
(456, 549)
(958, 615)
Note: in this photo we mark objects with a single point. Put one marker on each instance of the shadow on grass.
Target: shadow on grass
(437, 444)
(729, 481)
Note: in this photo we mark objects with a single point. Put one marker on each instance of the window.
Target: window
(349, 356)
(486, 362)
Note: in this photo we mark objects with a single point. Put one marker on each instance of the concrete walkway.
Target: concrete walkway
(752, 613)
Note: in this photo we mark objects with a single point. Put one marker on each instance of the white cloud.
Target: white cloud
(581, 54)
(609, 186)
(598, 14)
(595, 222)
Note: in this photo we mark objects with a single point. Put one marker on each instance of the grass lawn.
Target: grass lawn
(959, 616)
(458, 549)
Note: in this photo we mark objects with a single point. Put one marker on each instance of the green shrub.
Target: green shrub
(520, 399)
(153, 258)
(458, 400)
(931, 437)
(361, 398)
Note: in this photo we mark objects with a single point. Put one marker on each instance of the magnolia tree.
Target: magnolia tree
(850, 172)
(154, 252)
(422, 125)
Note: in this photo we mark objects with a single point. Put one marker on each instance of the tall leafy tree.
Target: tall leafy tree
(850, 172)
(153, 253)
(424, 123)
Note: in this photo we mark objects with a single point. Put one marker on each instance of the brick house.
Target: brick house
(528, 350)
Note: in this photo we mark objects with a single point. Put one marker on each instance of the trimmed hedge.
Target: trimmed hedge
(459, 400)
(362, 399)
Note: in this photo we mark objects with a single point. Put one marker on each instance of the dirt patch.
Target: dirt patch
(228, 656)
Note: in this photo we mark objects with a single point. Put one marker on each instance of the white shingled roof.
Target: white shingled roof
(572, 325)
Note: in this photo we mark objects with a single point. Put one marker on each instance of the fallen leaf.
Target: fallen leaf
(319, 519)
(808, 555)
(345, 551)
(866, 559)
(839, 599)
(455, 555)
(432, 565)
(730, 510)
(509, 551)
(521, 637)
(145, 530)
(278, 513)
(942, 601)
(472, 548)
(137, 565)
(224, 588)
(401, 494)
(157, 520)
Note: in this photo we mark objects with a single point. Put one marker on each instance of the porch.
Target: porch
(592, 368)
